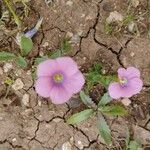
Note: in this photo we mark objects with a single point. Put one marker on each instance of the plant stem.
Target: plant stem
(17, 20)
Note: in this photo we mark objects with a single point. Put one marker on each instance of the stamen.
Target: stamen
(123, 81)
(58, 78)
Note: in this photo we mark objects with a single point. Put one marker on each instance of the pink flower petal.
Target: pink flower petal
(47, 68)
(135, 85)
(132, 72)
(67, 65)
(43, 86)
(59, 95)
(115, 90)
(121, 72)
(75, 83)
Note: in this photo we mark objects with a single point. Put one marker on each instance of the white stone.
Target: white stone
(80, 145)
(1, 71)
(7, 67)
(66, 146)
(135, 3)
(57, 120)
(126, 101)
(14, 140)
(25, 99)
(69, 34)
(18, 84)
(45, 44)
(69, 3)
(114, 17)
(131, 26)
(75, 39)
(132, 54)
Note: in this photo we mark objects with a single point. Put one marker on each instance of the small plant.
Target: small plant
(95, 76)
(16, 18)
(100, 110)
(133, 144)
(25, 43)
(129, 84)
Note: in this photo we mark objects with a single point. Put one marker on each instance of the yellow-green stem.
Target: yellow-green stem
(16, 18)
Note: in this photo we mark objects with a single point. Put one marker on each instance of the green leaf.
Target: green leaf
(40, 59)
(104, 100)
(105, 80)
(56, 54)
(104, 130)
(113, 110)
(81, 116)
(6, 56)
(134, 145)
(86, 99)
(21, 62)
(26, 45)
(65, 46)
(127, 140)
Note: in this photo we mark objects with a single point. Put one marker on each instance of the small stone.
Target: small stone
(39, 103)
(25, 99)
(1, 118)
(75, 39)
(69, 3)
(18, 84)
(14, 140)
(80, 145)
(45, 44)
(114, 17)
(29, 72)
(132, 54)
(83, 15)
(131, 27)
(66, 146)
(7, 67)
(69, 34)
(135, 3)
(126, 101)
(1, 71)
(71, 140)
(57, 120)
(27, 112)
(41, 53)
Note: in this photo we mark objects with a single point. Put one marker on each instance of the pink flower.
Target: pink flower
(59, 79)
(129, 83)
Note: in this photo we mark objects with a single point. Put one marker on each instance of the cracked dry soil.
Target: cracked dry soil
(37, 124)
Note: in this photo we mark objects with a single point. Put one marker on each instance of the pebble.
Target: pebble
(45, 44)
(75, 39)
(25, 99)
(135, 3)
(69, 3)
(66, 146)
(80, 145)
(14, 140)
(1, 71)
(18, 84)
(7, 67)
(132, 54)
(131, 26)
(126, 101)
(114, 17)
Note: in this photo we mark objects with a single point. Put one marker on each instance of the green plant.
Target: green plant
(95, 76)
(103, 108)
(16, 18)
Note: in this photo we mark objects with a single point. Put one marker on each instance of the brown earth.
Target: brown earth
(28, 122)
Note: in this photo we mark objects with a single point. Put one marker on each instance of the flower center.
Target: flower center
(123, 81)
(58, 78)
